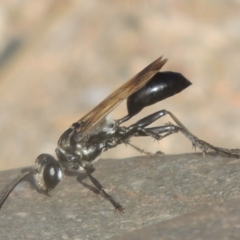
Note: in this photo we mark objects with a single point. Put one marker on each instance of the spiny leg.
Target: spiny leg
(154, 132)
(157, 132)
(142, 151)
(89, 170)
(141, 130)
(204, 146)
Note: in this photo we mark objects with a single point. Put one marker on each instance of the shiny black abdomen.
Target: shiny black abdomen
(161, 86)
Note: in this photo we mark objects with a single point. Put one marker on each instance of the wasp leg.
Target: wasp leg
(204, 146)
(153, 132)
(142, 151)
(168, 129)
(139, 128)
(89, 170)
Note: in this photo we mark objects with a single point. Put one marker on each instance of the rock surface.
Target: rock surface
(173, 197)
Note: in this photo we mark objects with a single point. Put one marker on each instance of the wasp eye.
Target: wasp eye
(50, 172)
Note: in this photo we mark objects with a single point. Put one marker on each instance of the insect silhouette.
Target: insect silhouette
(82, 144)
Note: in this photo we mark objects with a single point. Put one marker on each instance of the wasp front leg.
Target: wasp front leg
(89, 170)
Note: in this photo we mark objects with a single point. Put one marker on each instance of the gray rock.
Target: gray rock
(172, 197)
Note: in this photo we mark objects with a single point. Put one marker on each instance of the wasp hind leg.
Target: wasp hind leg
(158, 133)
(204, 146)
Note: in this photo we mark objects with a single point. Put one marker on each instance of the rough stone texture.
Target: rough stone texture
(220, 221)
(173, 197)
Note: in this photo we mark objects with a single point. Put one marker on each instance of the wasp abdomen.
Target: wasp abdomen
(161, 86)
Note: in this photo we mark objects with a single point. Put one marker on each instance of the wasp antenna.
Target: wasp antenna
(9, 188)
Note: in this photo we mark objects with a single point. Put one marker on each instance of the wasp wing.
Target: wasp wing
(120, 94)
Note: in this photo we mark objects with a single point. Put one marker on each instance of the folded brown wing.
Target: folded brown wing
(120, 94)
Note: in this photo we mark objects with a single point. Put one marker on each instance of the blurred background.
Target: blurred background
(58, 59)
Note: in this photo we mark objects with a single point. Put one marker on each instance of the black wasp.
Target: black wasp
(82, 144)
